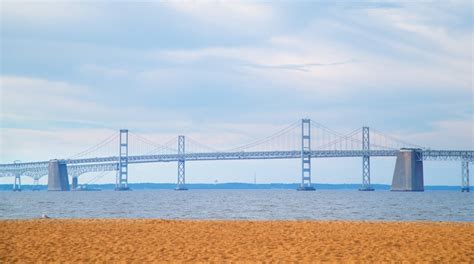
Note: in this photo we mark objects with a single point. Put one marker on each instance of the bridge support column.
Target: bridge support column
(306, 156)
(366, 161)
(121, 183)
(17, 183)
(181, 185)
(465, 176)
(57, 176)
(35, 183)
(75, 182)
(408, 173)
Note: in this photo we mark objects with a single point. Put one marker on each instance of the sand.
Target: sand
(148, 240)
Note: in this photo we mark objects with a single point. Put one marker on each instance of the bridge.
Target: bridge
(304, 140)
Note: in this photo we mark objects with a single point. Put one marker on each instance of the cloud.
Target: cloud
(298, 67)
(45, 104)
(55, 13)
(258, 64)
(447, 134)
(429, 59)
(30, 144)
(439, 42)
(29, 99)
(221, 13)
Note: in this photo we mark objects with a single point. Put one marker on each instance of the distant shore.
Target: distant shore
(236, 186)
(145, 240)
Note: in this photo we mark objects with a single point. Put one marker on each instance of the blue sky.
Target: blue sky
(226, 73)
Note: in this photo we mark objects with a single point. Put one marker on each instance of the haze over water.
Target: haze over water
(242, 205)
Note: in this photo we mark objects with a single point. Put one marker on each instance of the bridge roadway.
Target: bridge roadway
(106, 163)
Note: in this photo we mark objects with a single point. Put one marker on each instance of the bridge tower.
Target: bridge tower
(366, 160)
(465, 176)
(121, 183)
(181, 186)
(17, 183)
(306, 156)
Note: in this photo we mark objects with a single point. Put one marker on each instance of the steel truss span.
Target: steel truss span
(453, 155)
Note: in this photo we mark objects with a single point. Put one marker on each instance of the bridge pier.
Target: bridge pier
(35, 183)
(75, 182)
(306, 156)
(465, 176)
(408, 173)
(121, 182)
(57, 176)
(181, 184)
(366, 161)
(17, 183)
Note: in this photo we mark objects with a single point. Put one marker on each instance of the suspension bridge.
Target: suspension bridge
(304, 140)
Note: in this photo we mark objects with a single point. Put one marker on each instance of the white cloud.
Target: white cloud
(225, 13)
(38, 144)
(431, 58)
(336, 73)
(45, 103)
(441, 44)
(447, 134)
(55, 13)
(311, 67)
(39, 99)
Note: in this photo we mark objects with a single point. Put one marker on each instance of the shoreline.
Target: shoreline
(233, 220)
(118, 239)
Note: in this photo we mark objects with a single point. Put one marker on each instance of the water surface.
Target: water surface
(242, 204)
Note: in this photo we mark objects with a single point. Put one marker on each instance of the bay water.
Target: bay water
(242, 205)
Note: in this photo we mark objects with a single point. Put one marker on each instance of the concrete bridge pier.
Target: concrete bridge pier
(35, 183)
(75, 182)
(17, 183)
(408, 173)
(57, 176)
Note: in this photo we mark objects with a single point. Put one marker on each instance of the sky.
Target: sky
(229, 72)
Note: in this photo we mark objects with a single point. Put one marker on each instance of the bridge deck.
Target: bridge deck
(107, 161)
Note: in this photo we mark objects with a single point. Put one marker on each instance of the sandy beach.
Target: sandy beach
(163, 240)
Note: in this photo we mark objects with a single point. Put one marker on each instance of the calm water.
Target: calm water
(242, 204)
